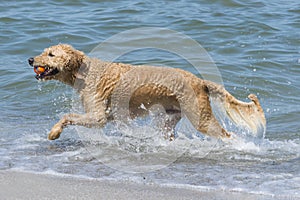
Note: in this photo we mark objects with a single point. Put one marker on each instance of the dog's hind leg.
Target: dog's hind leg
(207, 123)
(87, 120)
(197, 108)
(213, 128)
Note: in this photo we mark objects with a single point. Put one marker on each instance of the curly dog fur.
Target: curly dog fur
(106, 88)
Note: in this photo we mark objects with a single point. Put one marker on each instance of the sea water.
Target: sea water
(254, 45)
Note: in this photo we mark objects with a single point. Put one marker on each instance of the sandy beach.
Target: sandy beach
(249, 47)
(23, 185)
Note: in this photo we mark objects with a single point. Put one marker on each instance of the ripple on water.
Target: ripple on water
(254, 44)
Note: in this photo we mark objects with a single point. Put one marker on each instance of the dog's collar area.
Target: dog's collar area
(43, 72)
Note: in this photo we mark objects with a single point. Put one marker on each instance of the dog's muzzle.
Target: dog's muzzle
(42, 71)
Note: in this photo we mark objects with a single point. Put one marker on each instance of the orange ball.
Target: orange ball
(39, 69)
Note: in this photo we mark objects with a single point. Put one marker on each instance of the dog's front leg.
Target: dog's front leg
(87, 120)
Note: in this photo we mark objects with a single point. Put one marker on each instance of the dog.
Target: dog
(106, 88)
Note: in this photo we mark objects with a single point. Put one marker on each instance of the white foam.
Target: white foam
(51, 173)
(216, 189)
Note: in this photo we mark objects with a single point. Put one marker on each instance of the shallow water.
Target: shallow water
(255, 46)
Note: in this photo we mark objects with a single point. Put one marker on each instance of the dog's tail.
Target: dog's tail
(246, 114)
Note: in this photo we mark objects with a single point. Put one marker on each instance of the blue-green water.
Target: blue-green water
(255, 46)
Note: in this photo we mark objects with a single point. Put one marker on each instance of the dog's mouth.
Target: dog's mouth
(44, 71)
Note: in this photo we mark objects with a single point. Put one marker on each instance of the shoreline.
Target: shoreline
(26, 185)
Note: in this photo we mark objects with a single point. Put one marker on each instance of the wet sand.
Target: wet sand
(23, 185)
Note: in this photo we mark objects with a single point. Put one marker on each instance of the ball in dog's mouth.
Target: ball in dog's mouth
(39, 69)
(42, 72)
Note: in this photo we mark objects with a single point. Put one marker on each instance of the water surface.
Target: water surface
(255, 45)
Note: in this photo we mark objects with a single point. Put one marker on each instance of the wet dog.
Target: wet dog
(106, 88)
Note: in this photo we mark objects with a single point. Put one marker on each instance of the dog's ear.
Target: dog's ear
(75, 60)
(79, 57)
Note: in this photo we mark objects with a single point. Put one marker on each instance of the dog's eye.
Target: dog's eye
(51, 54)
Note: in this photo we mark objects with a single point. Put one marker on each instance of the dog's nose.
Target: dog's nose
(30, 61)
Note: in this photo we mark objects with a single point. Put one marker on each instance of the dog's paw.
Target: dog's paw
(55, 132)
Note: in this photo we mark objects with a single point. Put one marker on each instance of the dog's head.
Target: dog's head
(60, 62)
